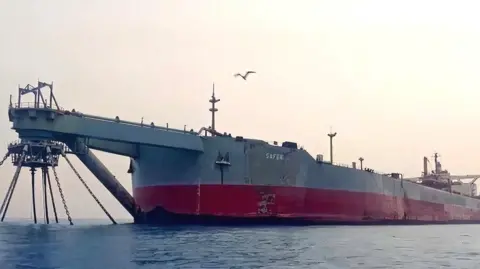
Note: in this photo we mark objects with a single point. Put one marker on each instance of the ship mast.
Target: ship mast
(331, 135)
(437, 168)
(214, 100)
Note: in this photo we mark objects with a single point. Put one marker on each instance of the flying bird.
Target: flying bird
(246, 74)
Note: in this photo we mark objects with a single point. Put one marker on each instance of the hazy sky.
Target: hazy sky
(397, 80)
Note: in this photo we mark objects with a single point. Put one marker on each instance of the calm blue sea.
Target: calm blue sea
(96, 244)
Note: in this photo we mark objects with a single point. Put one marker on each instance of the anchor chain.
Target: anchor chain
(4, 158)
(61, 195)
(88, 188)
(13, 181)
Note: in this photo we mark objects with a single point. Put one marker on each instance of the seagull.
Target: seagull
(246, 74)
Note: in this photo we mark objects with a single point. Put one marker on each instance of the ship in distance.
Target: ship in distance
(238, 180)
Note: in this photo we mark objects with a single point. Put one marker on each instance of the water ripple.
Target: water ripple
(130, 246)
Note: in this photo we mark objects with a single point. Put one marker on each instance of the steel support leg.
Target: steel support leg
(33, 195)
(47, 174)
(45, 197)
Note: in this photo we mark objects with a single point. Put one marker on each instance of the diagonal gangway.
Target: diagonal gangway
(44, 120)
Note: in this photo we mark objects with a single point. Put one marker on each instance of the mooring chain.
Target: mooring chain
(88, 188)
(61, 195)
(5, 158)
(12, 183)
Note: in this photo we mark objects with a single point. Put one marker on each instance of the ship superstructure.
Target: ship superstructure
(443, 180)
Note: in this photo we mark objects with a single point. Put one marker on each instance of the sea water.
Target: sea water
(93, 244)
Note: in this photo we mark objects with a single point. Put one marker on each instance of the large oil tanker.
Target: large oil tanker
(242, 180)
(210, 177)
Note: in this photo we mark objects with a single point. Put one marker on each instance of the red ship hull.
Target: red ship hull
(277, 204)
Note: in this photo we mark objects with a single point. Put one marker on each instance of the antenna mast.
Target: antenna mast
(213, 109)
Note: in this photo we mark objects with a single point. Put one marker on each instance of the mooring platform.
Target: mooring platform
(48, 132)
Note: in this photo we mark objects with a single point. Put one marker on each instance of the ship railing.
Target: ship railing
(132, 123)
(357, 167)
(342, 165)
(387, 174)
(79, 114)
(279, 144)
(338, 164)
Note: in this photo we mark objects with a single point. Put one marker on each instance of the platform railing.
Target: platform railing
(19, 142)
(35, 105)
